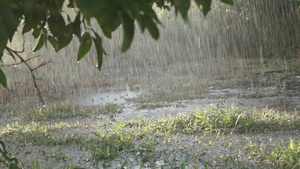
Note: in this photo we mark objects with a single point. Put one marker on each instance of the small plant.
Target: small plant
(107, 153)
(58, 155)
(285, 157)
(60, 111)
(11, 163)
(110, 109)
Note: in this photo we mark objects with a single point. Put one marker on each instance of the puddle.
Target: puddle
(101, 99)
(268, 97)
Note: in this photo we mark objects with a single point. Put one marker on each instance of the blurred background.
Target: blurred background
(249, 45)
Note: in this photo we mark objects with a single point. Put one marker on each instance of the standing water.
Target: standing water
(246, 54)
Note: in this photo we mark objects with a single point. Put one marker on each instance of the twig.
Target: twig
(21, 61)
(31, 71)
(42, 64)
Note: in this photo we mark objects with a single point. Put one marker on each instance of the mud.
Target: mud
(172, 154)
(249, 99)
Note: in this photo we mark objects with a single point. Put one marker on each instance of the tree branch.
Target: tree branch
(16, 53)
(42, 64)
(21, 61)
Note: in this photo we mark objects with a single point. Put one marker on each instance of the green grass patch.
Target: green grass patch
(60, 111)
(141, 136)
(110, 109)
(284, 157)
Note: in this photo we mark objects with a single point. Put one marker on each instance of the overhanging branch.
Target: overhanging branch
(25, 61)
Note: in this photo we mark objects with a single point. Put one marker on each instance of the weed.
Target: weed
(110, 109)
(116, 139)
(106, 153)
(285, 157)
(60, 111)
(147, 143)
(58, 155)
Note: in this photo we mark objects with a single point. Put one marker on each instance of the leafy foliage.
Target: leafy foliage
(50, 21)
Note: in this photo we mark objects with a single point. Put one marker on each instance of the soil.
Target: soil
(182, 150)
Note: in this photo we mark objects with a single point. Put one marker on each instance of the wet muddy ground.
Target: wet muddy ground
(208, 151)
(249, 99)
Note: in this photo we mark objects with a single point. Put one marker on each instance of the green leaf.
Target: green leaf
(45, 32)
(40, 43)
(85, 45)
(152, 28)
(109, 20)
(128, 32)
(148, 10)
(99, 49)
(230, 2)
(76, 25)
(64, 39)
(99, 39)
(3, 79)
(53, 42)
(183, 6)
(36, 32)
(88, 9)
(141, 21)
(59, 3)
(107, 32)
(131, 8)
(27, 27)
(64, 42)
(9, 19)
(3, 39)
(57, 25)
(28, 4)
(205, 5)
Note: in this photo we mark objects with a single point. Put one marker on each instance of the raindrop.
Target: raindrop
(77, 61)
(15, 65)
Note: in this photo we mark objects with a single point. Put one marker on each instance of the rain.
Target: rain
(245, 55)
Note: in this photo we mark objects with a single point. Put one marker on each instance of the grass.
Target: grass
(181, 91)
(170, 75)
(110, 109)
(284, 157)
(56, 111)
(139, 138)
(61, 111)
